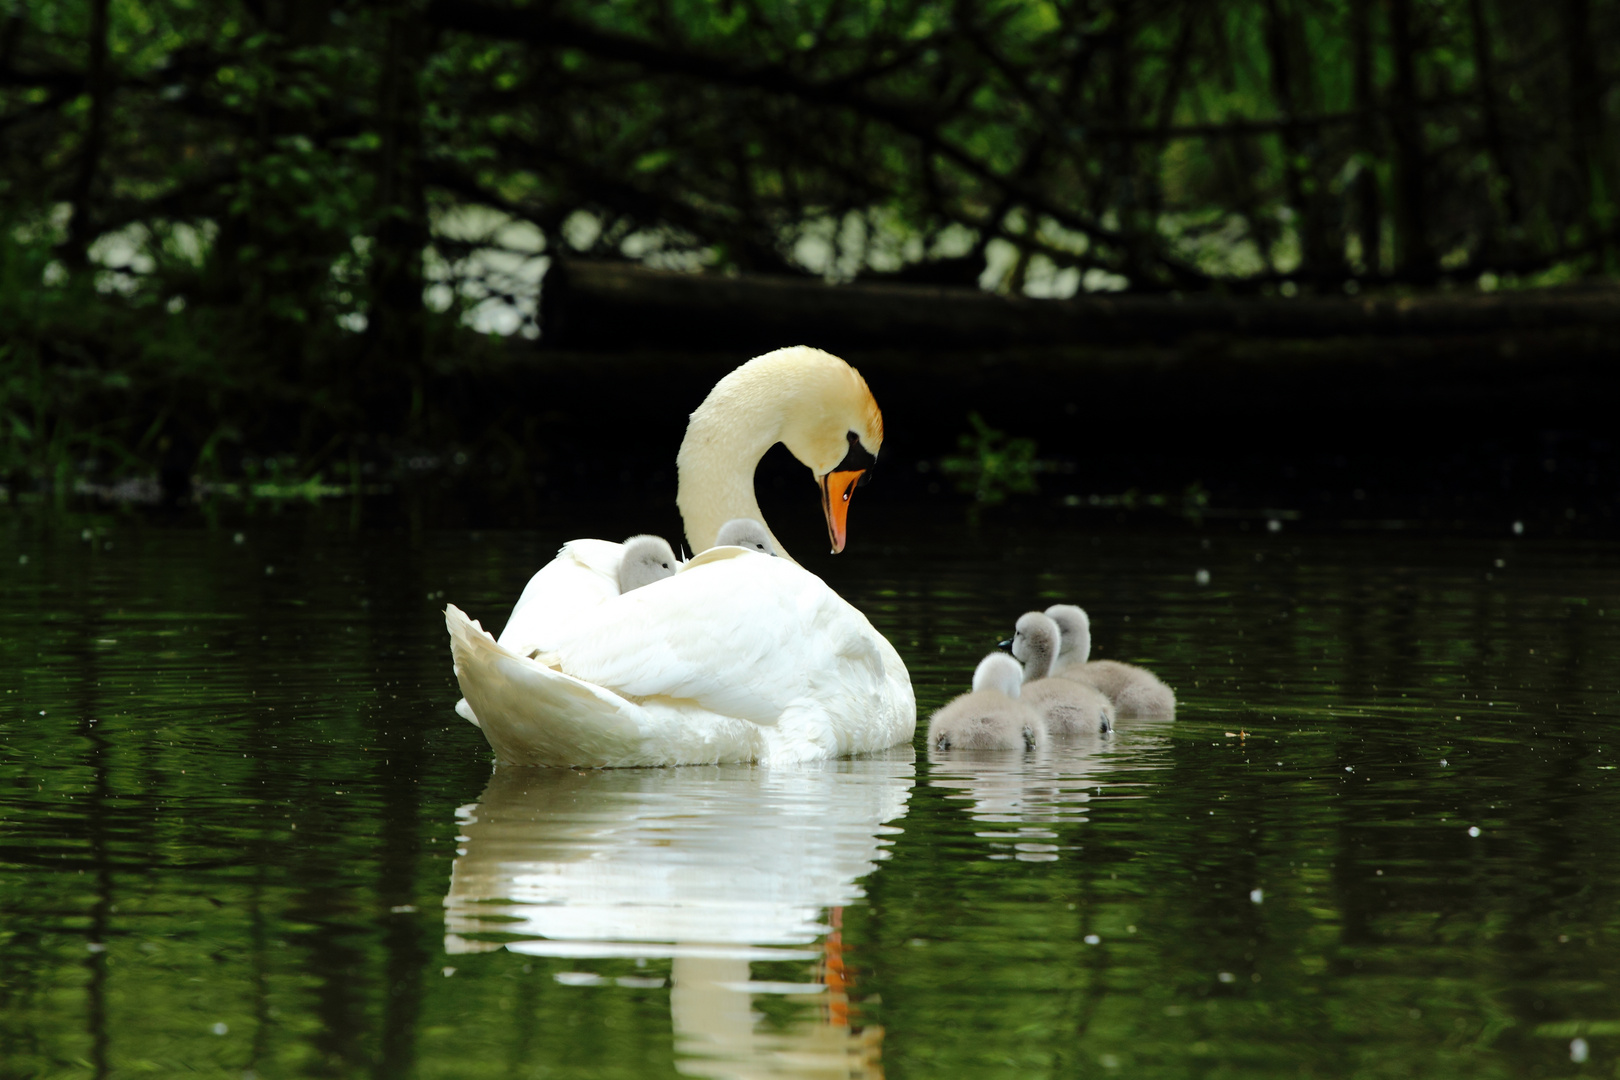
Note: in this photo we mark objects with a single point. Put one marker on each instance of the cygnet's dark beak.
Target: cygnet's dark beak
(1004, 644)
(1106, 726)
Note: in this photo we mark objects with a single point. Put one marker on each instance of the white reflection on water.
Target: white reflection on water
(713, 867)
(1051, 785)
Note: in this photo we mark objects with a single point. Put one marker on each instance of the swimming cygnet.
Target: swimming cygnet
(745, 532)
(991, 717)
(646, 559)
(1070, 708)
(1135, 691)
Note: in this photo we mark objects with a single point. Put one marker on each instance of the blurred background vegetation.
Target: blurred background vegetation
(246, 240)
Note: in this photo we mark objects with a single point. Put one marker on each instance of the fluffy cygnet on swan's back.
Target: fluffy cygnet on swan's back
(991, 717)
(745, 532)
(1135, 691)
(1069, 707)
(646, 559)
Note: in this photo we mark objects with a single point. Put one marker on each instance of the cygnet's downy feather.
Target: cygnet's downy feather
(1069, 708)
(1135, 691)
(991, 717)
(745, 532)
(646, 559)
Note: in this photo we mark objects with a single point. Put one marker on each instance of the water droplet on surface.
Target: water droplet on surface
(1579, 1051)
(1226, 977)
(1093, 939)
(1202, 577)
(1473, 830)
(1257, 895)
(220, 1028)
(578, 978)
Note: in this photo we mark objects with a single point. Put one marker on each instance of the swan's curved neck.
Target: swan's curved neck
(740, 420)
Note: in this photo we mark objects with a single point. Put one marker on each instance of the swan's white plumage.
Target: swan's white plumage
(585, 573)
(736, 657)
(769, 665)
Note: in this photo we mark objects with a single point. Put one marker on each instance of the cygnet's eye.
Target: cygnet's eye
(664, 565)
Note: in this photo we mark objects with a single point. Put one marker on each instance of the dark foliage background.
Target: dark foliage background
(252, 235)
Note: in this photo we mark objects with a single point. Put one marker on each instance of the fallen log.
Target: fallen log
(595, 306)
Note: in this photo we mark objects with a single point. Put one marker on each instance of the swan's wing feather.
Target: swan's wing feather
(531, 698)
(585, 573)
(747, 637)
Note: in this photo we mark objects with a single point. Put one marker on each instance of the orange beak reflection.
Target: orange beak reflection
(836, 489)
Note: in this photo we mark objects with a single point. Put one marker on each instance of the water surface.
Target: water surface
(243, 834)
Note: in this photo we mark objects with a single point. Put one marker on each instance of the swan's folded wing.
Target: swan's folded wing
(743, 637)
(539, 716)
(585, 573)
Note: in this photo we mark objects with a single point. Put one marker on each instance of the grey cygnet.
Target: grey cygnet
(646, 559)
(745, 532)
(1070, 708)
(1135, 691)
(991, 717)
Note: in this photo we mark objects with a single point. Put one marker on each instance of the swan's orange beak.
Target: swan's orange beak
(836, 488)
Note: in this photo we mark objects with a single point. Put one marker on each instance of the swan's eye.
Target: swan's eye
(664, 565)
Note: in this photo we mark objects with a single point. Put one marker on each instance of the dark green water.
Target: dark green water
(243, 834)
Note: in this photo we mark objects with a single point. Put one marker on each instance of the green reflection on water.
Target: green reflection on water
(230, 782)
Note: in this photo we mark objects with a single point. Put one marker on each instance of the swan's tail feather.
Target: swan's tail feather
(532, 714)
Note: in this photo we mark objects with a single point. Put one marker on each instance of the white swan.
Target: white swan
(734, 657)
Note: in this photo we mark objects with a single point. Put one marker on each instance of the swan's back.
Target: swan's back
(733, 658)
(1135, 691)
(991, 716)
(584, 574)
(1070, 708)
(986, 720)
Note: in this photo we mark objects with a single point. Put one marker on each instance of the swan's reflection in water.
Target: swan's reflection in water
(712, 867)
(1024, 794)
